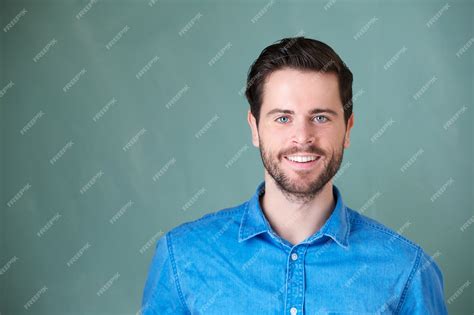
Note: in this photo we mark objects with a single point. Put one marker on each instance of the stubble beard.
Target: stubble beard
(303, 188)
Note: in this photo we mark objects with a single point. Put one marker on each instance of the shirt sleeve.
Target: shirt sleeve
(424, 292)
(162, 293)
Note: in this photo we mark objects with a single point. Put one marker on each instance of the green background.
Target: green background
(392, 126)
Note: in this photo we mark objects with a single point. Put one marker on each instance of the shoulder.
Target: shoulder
(366, 231)
(364, 226)
(391, 242)
(209, 228)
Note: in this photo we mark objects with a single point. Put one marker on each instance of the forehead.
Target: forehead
(301, 90)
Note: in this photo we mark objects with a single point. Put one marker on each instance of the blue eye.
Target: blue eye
(325, 118)
(285, 119)
(279, 119)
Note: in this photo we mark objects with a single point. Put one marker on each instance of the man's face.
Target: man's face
(302, 148)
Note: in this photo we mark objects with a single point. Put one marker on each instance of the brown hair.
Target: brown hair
(297, 53)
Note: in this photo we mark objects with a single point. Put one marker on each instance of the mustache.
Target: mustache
(307, 149)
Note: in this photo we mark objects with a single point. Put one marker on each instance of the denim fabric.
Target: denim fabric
(232, 262)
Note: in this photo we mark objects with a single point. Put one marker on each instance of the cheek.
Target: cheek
(271, 144)
(274, 138)
(333, 138)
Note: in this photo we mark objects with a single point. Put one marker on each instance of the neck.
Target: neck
(296, 221)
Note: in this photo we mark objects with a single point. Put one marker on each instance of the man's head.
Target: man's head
(300, 96)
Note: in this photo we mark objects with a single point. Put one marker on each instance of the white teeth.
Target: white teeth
(301, 158)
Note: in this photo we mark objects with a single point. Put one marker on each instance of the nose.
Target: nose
(303, 133)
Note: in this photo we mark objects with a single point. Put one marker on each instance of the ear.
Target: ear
(350, 123)
(253, 127)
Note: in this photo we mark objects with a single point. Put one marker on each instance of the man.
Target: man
(294, 247)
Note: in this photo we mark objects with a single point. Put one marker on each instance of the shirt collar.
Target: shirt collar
(254, 222)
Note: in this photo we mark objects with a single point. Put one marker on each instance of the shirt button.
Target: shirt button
(294, 256)
(293, 310)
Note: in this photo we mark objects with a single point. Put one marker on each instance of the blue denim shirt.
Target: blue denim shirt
(232, 262)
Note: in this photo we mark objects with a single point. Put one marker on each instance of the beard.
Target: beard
(308, 184)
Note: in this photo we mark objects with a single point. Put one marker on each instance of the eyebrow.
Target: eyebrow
(311, 112)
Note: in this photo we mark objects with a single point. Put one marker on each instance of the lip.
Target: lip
(302, 166)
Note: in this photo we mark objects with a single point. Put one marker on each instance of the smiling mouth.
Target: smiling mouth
(302, 162)
(302, 158)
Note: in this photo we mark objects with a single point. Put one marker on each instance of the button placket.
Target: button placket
(295, 288)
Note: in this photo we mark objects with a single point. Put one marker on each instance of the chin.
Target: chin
(301, 185)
